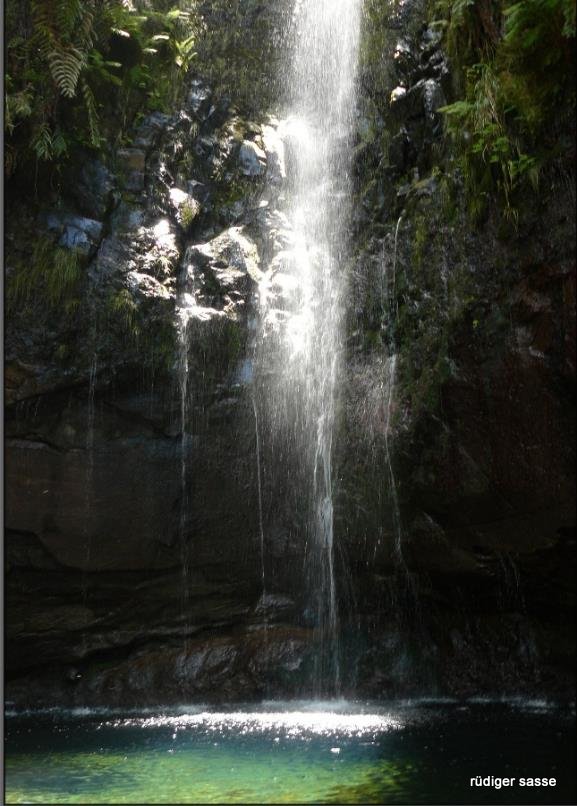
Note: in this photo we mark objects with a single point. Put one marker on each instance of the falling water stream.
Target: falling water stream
(89, 493)
(187, 310)
(306, 315)
(260, 503)
(89, 446)
(183, 379)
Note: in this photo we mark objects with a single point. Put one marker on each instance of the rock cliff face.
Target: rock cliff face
(133, 552)
(462, 369)
(98, 532)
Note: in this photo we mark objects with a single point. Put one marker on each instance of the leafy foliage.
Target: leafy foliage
(514, 79)
(493, 154)
(72, 65)
(64, 34)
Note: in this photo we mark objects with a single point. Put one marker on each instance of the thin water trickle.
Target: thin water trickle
(389, 386)
(394, 305)
(302, 294)
(183, 374)
(260, 520)
(187, 309)
(90, 420)
(259, 491)
(89, 489)
(393, 494)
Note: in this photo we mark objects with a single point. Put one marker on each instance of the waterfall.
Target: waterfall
(302, 299)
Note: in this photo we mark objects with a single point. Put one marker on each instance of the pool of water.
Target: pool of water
(402, 753)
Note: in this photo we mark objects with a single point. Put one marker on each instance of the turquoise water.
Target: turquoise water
(405, 753)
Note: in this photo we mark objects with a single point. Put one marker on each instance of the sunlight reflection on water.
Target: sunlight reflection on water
(290, 724)
(402, 752)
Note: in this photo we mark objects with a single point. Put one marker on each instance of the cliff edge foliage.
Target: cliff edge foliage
(514, 81)
(81, 73)
(78, 72)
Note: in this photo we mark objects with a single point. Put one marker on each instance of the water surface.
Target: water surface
(405, 753)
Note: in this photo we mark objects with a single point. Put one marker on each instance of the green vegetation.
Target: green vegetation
(129, 321)
(379, 34)
(79, 71)
(188, 213)
(514, 73)
(124, 311)
(420, 239)
(54, 276)
(239, 49)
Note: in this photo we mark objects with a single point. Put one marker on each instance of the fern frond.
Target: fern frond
(42, 142)
(85, 32)
(59, 144)
(44, 36)
(67, 14)
(64, 36)
(65, 67)
(17, 106)
(92, 113)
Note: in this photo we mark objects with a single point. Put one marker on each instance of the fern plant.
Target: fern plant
(493, 156)
(515, 70)
(48, 143)
(62, 87)
(64, 34)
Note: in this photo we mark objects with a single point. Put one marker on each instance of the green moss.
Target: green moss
(377, 41)
(159, 342)
(187, 214)
(371, 339)
(139, 329)
(232, 190)
(62, 353)
(420, 240)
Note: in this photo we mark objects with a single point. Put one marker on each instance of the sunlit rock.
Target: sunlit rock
(147, 286)
(252, 159)
(397, 93)
(231, 258)
(198, 96)
(185, 206)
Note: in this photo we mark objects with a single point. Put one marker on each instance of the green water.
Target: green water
(405, 754)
